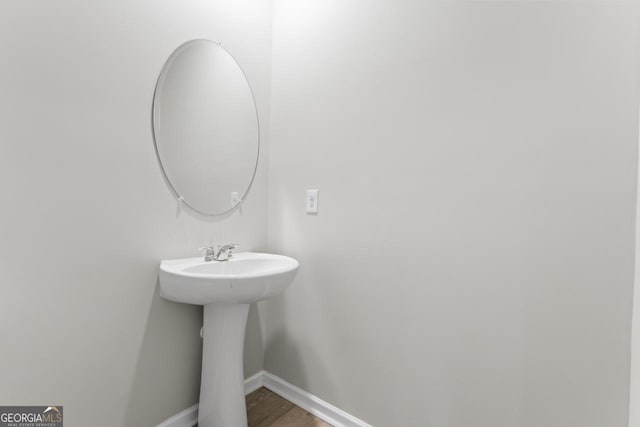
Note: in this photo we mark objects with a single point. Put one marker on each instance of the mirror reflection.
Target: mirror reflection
(206, 128)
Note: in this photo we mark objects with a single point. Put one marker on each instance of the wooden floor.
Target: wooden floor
(267, 409)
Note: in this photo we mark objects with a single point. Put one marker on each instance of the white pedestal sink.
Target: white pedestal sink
(225, 288)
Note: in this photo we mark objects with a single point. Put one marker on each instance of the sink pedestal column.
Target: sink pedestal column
(222, 402)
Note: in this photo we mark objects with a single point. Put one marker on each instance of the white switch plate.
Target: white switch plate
(312, 201)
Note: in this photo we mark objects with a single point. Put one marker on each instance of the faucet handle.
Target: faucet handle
(210, 252)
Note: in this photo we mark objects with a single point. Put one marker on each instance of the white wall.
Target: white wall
(86, 215)
(634, 395)
(472, 261)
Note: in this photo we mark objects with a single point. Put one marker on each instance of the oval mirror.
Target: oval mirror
(205, 126)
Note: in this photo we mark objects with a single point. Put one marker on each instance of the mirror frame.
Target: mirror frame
(163, 71)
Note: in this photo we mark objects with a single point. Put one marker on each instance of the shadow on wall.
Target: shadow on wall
(289, 355)
(171, 336)
(253, 343)
(284, 354)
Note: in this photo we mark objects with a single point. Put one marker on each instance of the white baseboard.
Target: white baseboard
(254, 382)
(310, 403)
(186, 418)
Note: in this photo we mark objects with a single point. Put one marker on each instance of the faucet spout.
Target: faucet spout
(225, 252)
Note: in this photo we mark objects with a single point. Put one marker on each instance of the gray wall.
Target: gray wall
(86, 215)
(472, 261)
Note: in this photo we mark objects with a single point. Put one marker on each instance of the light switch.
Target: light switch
(312, 201)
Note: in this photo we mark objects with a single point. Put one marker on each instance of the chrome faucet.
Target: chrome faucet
(223, 253)
(210, 253)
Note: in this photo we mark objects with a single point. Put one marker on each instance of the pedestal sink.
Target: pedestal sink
(225, 289)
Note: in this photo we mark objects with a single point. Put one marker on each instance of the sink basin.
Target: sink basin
(246, 278)
(225, 289)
